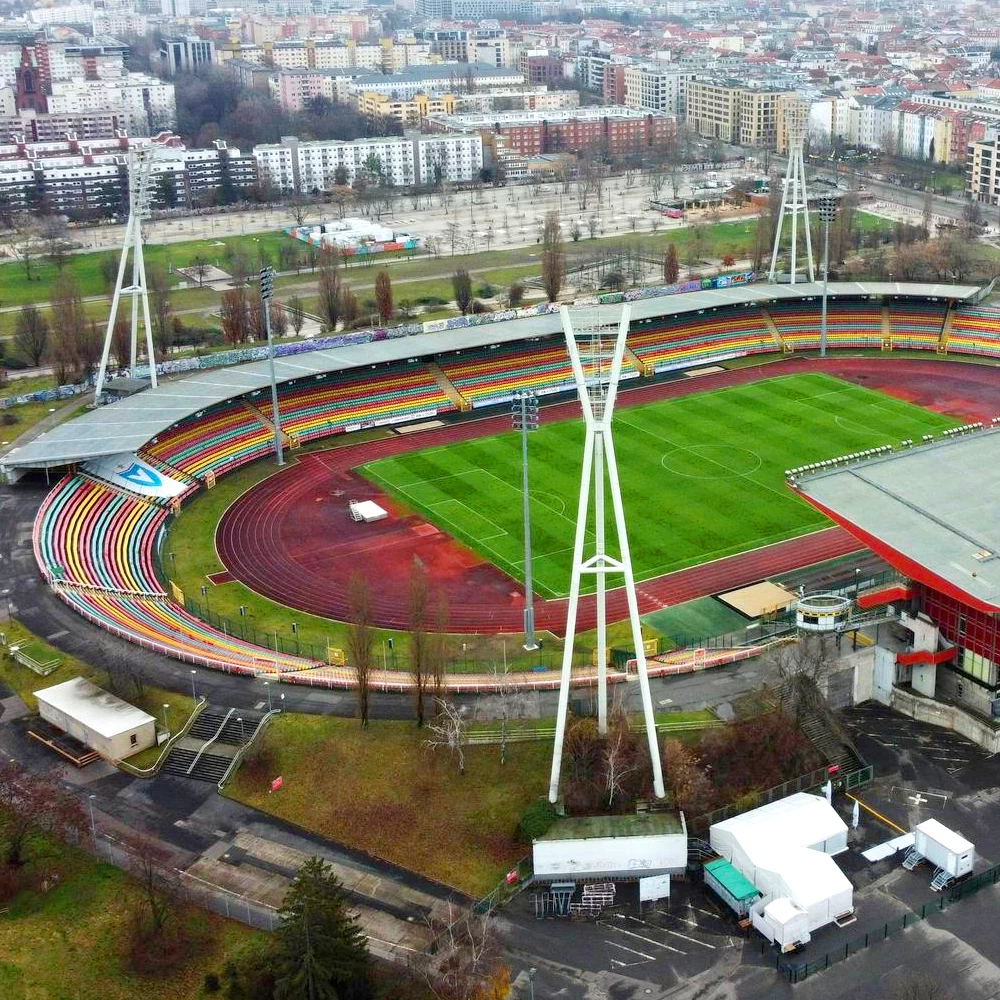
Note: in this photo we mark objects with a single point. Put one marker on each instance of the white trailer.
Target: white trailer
(945, 848)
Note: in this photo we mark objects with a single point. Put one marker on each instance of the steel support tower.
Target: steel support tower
(794, 196)
(596, 356)
(140, 161)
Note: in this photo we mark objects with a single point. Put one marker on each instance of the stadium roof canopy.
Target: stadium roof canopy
(933, 512)
(127, 425)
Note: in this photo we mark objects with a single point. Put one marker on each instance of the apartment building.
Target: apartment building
(654, 89)
(983, 171)
(187, 54)
(410, 112)
(734, 113)
(486, 46)
(404, 161)
(145, 103)
(33, 127)
(613, 131)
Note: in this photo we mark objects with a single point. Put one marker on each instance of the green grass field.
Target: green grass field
(702, 476)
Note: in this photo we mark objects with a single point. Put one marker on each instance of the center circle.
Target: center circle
(711, 461)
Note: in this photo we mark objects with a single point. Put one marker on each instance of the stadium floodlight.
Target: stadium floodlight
(828, 205)
(794, 196)
(596, 355)
(524, 417)
(266, 293)
(140, 162)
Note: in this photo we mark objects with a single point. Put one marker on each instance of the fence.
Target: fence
(803, 783)
(796, 972)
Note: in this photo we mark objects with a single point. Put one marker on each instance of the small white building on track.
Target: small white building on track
(785, 849)
(97, 718)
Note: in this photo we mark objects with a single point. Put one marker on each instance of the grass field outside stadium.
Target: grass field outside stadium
(702, 475)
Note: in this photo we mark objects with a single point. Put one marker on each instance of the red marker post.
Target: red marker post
(277, 783)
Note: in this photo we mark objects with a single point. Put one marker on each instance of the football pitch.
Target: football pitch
(702, 475)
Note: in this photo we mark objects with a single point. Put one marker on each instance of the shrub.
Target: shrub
(535, 820)
(486, 290)
(8, 418)
(432, 300)
(212, 984)
(480, 307)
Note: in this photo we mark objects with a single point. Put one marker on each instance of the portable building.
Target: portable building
(730, 885)
(612, 847)
(945, 848)
(784, 849)
(783, 923)
(97, 718)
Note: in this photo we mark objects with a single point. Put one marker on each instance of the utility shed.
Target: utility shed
(97, 718)
(612, 847)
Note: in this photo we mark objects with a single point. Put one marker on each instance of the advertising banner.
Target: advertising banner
(129, 472)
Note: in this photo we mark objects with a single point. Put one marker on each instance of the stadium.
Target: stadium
(722, 392)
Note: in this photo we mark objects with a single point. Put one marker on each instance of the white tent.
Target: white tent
(784, 849)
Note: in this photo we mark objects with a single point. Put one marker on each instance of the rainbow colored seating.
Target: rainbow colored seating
(915, 325)
(94, 535)
(975, 330)
(848, 324)
(166, 627)
(488, 376)
(713, 336)
(332, 404)
(216, 440)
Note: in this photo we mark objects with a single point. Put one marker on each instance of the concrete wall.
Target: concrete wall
(953, 686)
(947, 716)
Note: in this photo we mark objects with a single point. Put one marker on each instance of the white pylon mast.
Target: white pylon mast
(140, 161)
(794, 196)
(596, 356)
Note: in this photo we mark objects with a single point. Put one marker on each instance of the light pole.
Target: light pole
(93, 825)
(5, 594)
(266, 292)
(524, 416)
(531, 981)
(243, 733)
(267, 684)
(827, 212)
(165, 707)
(194, 697)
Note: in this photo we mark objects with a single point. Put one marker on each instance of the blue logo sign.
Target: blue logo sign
(141, 476)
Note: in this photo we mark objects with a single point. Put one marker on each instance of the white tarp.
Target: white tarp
(129, 472)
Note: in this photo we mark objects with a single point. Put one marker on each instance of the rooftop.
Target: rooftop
(99, 710)
(932, 511)
(651, 824)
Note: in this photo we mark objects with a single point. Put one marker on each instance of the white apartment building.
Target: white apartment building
(405, 160)
(656, 89)
(71, 13)
(984, 171)
(144, 102)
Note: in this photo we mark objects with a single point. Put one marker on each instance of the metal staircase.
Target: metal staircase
(941, 879)
(220, 735)
(912, 859)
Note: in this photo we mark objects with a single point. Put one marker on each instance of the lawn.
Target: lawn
(383, 791)
(66, 943)
(695, 461)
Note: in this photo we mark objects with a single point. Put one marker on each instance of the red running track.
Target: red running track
(285, 537)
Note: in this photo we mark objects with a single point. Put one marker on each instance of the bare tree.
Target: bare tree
(68, 324)
(26, 230)
(918, 986)
(553, 256)
(461, 285)
(330, 290)
(296, 313)
(200, 267)
(466, 961)
(802, 667)
(507, 703)
(52, 232)
(31, 335)
(448, 729)
(383, 296)
(157, 887)
(233, 316)
(671, 266)
(360, 639)
(121, 341)
(279, 318)
(620, 762)
(161, 310)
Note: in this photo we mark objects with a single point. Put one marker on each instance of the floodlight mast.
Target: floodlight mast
(596, 357)
(794, 196)
(140, 162)
(266, 294)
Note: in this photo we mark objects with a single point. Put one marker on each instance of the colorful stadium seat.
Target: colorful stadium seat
(975, 330)
(491, 375)
(216, 440)
(94, 535)
(335, 403)
(916, 326)
(703, 339)
(848, 324)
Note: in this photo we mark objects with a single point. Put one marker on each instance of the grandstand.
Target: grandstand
(491, 375)
(96, 536)
(334, 404)
(682, 341)
(97, 545)
(849, 324)
(976, 330)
